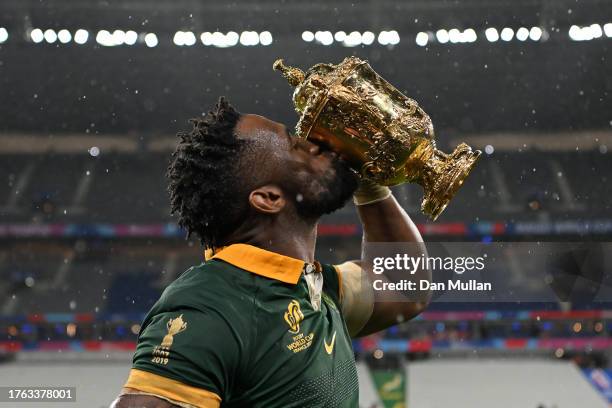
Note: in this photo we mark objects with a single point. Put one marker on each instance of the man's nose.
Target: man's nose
(314, 149)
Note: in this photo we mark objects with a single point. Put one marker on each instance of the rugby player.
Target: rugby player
(261, 323)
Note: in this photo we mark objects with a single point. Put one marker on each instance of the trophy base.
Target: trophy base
(455, 170)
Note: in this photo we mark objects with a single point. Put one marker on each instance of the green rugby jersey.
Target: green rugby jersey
(239, 331)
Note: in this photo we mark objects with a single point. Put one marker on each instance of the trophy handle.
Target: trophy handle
(443, 175)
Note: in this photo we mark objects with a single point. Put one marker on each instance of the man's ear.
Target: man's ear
(267, 199)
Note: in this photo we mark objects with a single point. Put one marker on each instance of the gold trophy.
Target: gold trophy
(382, 133)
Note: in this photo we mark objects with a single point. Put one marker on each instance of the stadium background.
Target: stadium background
(92, 93)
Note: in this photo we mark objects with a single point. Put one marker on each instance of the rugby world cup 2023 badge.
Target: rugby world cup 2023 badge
(161, 353)
(293, 318)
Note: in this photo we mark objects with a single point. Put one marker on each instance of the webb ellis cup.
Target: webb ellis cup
(382, 133)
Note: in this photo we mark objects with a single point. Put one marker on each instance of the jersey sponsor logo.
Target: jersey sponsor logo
(294, 316)
(161, 353)
(329, 348)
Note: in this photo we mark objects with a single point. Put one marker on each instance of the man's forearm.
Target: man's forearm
(386, 221)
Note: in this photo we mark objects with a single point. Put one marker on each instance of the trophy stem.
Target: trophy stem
(443, 175)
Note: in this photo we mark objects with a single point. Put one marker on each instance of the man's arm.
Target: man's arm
(384, 220)
(128, 400)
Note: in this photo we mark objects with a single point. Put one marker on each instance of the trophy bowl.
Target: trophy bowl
(384, 135)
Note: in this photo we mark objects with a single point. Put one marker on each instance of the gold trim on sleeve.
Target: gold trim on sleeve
(339, 275)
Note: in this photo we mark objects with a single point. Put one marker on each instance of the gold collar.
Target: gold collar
(261, 262)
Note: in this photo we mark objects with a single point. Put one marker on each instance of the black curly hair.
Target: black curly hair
(204, 181)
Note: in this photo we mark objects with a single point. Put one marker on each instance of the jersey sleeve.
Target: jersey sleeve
(356, 296)
(187, 356)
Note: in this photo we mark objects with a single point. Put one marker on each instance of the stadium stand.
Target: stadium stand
(123, 187)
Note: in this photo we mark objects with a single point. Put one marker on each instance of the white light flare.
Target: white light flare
(151, 40)
(81, 36)
(3, 35)
(422, 39)
(492, 34)
(506, 34)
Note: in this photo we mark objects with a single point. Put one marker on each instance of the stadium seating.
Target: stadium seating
(131, 188)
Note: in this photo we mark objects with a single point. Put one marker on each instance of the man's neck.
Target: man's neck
(297, 241)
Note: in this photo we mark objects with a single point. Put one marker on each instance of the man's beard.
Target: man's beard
(317, 197)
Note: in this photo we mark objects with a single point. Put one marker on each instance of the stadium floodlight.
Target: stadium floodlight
(217, 39)
(394, 37)
(37, 35)
(81, 36)
(522, 34)
(184, 38)
(190, 38)
(324, 37)
(118, 37)
(179, 38)
(151, 40)
(367, 38)
(339, 36)
(535, 33)
(608, 29)
(422, 39)
(130, 37)
(442, 36)
(249, 38)
(588, 33)
(232, 38)
(353, 39)
(581, 33)
(596, 31)
(265, 38)
(388, 37)
(492, 34)
(575, 33)
(64, 36)
(50, 36)
(506, 34)
(469, 35)
(105, 38)
(3, 35)
(206, 38)
(220, 40)
(383, 38)
(455, 36)
(308, 36)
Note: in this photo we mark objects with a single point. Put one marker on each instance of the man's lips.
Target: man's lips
(331, 153)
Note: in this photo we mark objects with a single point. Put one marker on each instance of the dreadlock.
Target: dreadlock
(203, 176)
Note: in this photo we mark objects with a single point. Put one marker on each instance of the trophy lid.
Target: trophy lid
(312, 87)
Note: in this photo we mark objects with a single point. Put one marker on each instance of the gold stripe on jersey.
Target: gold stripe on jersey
(171, 389)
